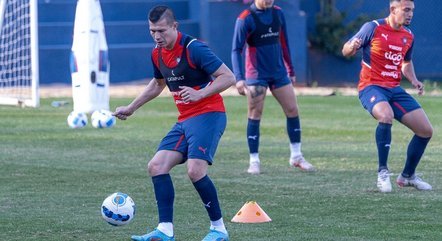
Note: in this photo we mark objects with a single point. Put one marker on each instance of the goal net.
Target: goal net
(19, 53)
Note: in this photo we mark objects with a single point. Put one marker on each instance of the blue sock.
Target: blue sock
(253, 135)
(207, 192)
(294, 129)
(165, 195)
(383, 141)
(415, 151)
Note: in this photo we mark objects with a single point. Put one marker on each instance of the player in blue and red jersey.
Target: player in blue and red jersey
(387, 47)
(195, 77)
(261, 29)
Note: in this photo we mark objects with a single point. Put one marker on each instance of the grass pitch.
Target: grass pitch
(53, 179)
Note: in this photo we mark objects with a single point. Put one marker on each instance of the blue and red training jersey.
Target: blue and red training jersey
(384, 49)
(189, 63)
(267, 53)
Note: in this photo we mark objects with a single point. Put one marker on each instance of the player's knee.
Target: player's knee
(385, 117)
(292, 111)
(195, 174)
(154, 168)
(426, 132)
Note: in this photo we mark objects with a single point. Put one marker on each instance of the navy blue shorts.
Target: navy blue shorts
(196, 137)
(400, 101)
(269, 83)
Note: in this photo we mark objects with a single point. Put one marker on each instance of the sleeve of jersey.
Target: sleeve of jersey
(285, 47)
(366, 33)
(238, 43)
(202, 57)
(154, 58)
(409, 55)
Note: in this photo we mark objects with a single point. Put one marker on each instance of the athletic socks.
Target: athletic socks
(218, 225)
(165, 195)
(295, 150)
(415, 151)
(383, 141)
(207, 192)
(253, 135)
(294, 133)
(254, 157)
(294, 129)
(166, 228)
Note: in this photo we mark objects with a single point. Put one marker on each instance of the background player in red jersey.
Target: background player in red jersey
(195, 76)
(262, 27)
(387, 50)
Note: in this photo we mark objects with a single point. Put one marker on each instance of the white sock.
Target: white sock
(295, 149)
(166, 228)
(254, 157)
(218, 225)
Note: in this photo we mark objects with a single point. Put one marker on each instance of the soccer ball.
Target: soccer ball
(77, 119)
(102, 119)
(118, 209)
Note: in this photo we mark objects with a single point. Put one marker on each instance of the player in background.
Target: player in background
(261, 30)
(195, 77)
(387, 47)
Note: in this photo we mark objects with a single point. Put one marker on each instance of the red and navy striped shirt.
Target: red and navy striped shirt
(384, 49)
(199, 61)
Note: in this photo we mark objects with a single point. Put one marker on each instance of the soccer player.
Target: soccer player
(387, 47)
(195, 77)
(261, 29)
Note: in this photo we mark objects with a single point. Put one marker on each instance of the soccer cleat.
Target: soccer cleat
(254, 168)
(384, 183)
(214, 235)
(301, 163)
(413, 181)
(155, 235)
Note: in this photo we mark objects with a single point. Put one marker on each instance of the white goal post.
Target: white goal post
(19, 53)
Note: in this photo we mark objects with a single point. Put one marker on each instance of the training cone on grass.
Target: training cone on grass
(251, 212)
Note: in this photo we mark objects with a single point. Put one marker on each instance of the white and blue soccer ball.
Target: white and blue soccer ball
(77, 119)
(102, 119)
(118, 209)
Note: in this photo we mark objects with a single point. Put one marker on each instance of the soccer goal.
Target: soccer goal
(19, 53)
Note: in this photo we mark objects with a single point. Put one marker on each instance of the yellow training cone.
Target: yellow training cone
(251, 212)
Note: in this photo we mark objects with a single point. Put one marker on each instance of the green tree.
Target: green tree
(332, 29)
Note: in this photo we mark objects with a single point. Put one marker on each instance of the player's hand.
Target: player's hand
(293, 80)
(355, 44)
(241, 87)
(189, 94)
(122, 112)
(419, 86)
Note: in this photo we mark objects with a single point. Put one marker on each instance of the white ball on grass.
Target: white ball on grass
(118, 209)
(77, 119)
(102, 119)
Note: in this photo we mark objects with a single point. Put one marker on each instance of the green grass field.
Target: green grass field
(53, 178)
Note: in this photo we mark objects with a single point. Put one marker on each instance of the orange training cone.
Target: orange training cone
(251, 212)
